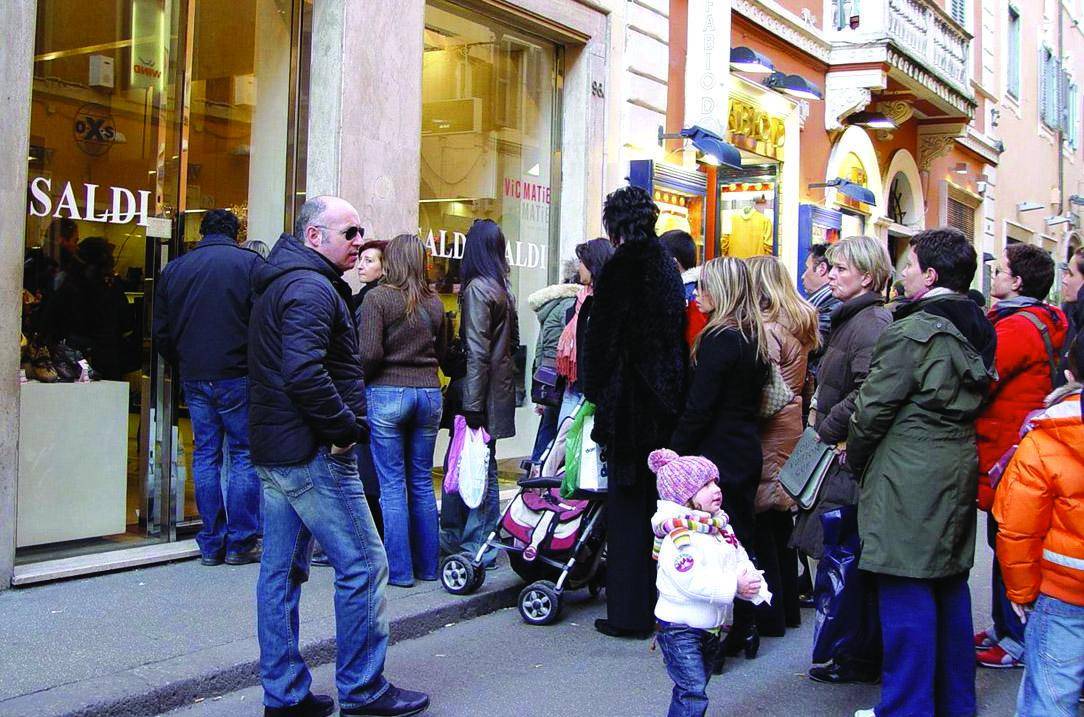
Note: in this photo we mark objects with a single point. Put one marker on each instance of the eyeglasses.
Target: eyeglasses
(349, 232)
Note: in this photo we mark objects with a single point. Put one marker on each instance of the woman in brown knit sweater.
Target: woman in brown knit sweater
(401, 340)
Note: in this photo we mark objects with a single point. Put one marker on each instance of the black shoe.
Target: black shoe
(251, 555)
(805, 600)
(603, 625)
(393, 703)
(718, 663)
(835, 674)
(210, 560)
(321, 560)
(311, 706)
(747, 643)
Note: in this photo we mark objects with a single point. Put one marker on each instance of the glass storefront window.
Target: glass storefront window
(489, 95)
(143, 115)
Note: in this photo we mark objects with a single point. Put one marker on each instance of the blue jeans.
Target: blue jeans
(219, 412)
(689, 654)
(547, 431)
(464, 530)
(1008, 631)
(322, 498)
(569, 402)
(1053, 661)
(929, 656)
(404, 424)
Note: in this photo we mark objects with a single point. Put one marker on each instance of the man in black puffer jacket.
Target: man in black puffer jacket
(307, 412)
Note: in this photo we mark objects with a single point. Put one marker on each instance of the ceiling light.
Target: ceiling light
(715, 151)
(745, 59)
(873, 120)
(793, 85)
(849, 189)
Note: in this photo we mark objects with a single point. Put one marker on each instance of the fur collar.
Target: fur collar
(691, 276)
(1060, 393)
(558, 291)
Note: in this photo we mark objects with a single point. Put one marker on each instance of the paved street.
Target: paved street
(496, 666)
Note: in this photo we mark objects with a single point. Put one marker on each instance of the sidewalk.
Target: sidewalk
(146, 641)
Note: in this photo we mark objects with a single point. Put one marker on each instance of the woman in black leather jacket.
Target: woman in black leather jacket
(489, 329)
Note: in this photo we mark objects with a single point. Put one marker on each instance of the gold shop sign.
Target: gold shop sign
(755, 130)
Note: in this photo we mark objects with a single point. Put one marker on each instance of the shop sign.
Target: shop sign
(443, 244)
(124, 205)
(755, 129)
(93, 129)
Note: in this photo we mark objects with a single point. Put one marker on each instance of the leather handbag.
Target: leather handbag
(802, 476)
(546, 384)
(776, 394)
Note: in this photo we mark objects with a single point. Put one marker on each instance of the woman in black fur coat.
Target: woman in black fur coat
(635, 373)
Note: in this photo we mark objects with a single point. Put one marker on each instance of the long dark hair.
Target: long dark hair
(483, 255)
(594, 254)
(404, 269)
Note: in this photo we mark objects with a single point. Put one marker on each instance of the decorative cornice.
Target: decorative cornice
(899, 111)
(786, 26)
(842, 101)
(958, 99)
(981, 145)
(936, 141)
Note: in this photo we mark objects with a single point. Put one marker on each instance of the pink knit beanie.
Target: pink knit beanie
(680, 477)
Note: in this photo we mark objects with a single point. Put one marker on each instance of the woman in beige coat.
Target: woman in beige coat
(791, 323)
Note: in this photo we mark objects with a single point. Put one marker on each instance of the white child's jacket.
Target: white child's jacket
(698, 572)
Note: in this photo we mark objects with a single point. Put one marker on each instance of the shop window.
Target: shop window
(143, 115)
(1013, 54)
(489, 94)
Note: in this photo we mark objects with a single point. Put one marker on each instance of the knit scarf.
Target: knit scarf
(696, 521)
(566, 345)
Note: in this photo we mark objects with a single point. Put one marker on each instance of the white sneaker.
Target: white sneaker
(865, 713)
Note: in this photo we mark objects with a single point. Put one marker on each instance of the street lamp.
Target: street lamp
(745, 59)
(872, 120)
(848, 189)
(793, 85)
(716, 151)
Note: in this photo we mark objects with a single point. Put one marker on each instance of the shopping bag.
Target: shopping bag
(473, 471)
(574, 447)
(592, 468)
(455, 450)
(847, 625)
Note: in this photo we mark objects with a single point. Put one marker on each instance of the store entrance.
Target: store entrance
(748, 208)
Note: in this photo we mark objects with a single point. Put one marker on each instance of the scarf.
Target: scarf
(566, 345)
(695, 521)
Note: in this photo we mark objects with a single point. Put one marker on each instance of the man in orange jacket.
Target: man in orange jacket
(1039, 506)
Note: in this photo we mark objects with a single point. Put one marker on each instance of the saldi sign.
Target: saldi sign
(124, 204)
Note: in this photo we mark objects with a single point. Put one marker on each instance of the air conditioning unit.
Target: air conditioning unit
(452, 116)
(101, 71)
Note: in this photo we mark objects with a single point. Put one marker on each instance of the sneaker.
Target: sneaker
(395, 702)
(997, 659)
(983, 641)
(865, 713)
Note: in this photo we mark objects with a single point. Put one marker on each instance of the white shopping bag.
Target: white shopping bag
(592, 468)
(474, 467)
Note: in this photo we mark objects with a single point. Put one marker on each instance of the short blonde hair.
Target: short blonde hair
(865, 255)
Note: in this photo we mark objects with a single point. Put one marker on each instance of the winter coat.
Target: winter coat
(490, 330)
(912, 439)
(305, 379)
(1074, 312)
(1023, 381)
(201, 309)
(720, 421)
(856, 326)
(1039, 506)
(551, 305)
(634, 370)
(695, 320)
(825, 302)
(698, 572)
(780, 433)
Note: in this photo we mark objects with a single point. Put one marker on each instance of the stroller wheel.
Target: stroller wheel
(459, 576)
(540, 603)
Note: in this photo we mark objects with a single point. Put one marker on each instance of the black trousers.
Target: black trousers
(630, 570)
(780, 565)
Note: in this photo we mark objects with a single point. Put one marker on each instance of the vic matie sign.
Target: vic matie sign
(124, 205)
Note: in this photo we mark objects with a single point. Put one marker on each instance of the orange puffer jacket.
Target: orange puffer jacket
(1039, 506)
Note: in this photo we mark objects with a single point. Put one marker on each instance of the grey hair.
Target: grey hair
(308, 216)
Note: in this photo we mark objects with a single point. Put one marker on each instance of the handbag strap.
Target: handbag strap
(1051, 354)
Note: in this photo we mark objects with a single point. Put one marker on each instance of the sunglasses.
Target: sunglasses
(350, 232)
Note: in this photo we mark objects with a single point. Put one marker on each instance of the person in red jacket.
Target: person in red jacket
(1029, 338)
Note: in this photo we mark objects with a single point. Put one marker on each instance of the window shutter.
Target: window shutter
(962, 217)
(958, 10)
(1013, 74)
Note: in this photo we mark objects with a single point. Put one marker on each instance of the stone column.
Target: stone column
(365, 109)
(16, 72)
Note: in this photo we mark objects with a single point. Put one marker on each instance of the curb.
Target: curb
(156, 688)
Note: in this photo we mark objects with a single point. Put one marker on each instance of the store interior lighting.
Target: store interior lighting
(872, 120)
(793, 85)
(745, 59)
(848, 189)
(716, 152)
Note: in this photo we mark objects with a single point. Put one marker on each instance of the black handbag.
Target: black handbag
(802, 476)
(546, 384)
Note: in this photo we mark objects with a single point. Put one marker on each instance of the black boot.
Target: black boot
(607, 628)
(393, 703)
(311, 706)
(740, 641)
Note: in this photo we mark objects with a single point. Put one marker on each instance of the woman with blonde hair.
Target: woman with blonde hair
(792, 330)
(719, 421)
(401, 345)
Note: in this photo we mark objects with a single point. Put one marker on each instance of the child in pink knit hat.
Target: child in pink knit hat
(702, 569)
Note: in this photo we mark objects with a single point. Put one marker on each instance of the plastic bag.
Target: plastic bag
(574, 448)
(473, 471)
(455, 449)
(847, 624)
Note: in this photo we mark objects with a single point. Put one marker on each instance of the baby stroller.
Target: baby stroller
(553, 543)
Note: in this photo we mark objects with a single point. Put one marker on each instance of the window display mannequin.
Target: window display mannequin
(750, 231)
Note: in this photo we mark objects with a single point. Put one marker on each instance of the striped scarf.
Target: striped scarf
(680, 530)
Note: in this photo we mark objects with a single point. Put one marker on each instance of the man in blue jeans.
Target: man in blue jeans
(201, 312)
(308, 414)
